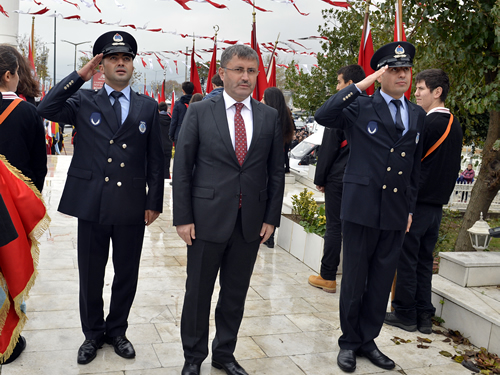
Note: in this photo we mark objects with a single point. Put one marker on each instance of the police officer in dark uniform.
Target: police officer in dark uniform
(380, 186)
(119, 156)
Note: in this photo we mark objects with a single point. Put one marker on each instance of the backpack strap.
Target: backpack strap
(9, 109)
(440, 140)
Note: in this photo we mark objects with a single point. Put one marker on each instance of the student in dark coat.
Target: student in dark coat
(165, 120)
(180, 108)
(114, 185)
(332, 159)
(412, 304)
(22, 134)
(218, 87)
(380, 190)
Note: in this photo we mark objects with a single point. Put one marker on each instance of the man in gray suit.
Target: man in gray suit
(227, 195)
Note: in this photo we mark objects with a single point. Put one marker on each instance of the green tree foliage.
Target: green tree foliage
(466, 41)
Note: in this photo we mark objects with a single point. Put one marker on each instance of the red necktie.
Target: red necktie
(240, 134)
(240, 137)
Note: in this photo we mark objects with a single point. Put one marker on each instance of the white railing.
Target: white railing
(460, 198)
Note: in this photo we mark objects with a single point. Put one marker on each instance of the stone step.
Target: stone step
(469, 269)
(474, 311)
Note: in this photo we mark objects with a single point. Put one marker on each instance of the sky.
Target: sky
(234, 23)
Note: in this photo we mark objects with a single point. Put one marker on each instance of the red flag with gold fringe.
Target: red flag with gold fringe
(19, 258)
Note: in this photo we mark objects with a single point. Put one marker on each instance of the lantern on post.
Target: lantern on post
(480, 234)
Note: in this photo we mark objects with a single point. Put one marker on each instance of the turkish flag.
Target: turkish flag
(194, 77)
(365, 54)
(261, 85)
(213, 68)
(271, 73)
(18, 258)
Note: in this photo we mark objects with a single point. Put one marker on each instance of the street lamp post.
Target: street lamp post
(75, 44)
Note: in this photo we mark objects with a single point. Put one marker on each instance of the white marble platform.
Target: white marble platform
(469, 269)
(289, 327)
(474, 311)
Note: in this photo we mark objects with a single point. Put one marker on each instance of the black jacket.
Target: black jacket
(382, 174)
(114, 176)
(208, 178)
(440, 169)
(22, 141)
(165, 121)
(332, 157)
(178, 114)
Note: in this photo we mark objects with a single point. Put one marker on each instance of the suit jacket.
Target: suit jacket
(381, 177)
(110, 171)
(208, 178)
(332, 158)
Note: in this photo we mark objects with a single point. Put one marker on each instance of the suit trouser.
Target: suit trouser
(93, 251)
(333, 234)
(369, 264)
(414, 281)
(235, 259)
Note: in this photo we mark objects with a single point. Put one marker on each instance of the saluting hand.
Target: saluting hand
(370, 80)
(89, 69)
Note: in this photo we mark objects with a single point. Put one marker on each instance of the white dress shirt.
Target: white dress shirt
(246, 113)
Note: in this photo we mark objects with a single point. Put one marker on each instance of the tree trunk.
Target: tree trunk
(486, 186)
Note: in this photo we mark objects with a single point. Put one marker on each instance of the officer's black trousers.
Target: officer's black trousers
(369, 265)
(93, 251)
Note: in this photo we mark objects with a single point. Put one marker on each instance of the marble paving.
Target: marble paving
(289, 327)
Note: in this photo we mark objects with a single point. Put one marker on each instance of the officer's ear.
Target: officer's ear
(101, 66)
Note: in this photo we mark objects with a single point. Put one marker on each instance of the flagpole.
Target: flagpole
(186, 71)
(272, 55)
(367, 13)
(33, 37)
(400, 20)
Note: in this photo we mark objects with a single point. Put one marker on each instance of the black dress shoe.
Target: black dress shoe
(346, 360)
(190, 369)
(231, 368)
(270, 242)
(393, 320)
(378, 358)
(123, 347)
(88, 351)
(18, 349)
